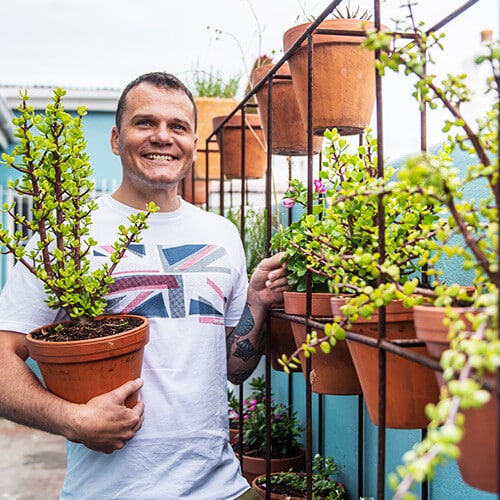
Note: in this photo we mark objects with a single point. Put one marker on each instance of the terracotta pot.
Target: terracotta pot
(343, 76)
(233, 435)
(253, 466)
(186, 190)
(230, 139)
(276, 496)
(409, 386)
(82, 369)
(282, 341)
(478, 461)
(289, 135)
(332, 373)
(208, 108)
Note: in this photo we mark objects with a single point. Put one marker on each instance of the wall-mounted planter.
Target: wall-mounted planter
(332, 373)
(230, 140)
(343, 76)
(289, 134)
(409, 386)
(478, 461)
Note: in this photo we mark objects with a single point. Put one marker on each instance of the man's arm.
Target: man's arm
(244, 341)
(103, 424)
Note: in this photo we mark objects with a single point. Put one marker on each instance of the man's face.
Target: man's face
(156, 141)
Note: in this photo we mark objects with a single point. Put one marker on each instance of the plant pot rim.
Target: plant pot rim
(97, 347)
(292, 34)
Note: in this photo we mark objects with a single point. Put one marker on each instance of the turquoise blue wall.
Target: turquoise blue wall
(97, 129)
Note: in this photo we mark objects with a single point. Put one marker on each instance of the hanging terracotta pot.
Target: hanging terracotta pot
(254, 466)
(289, 134)
(332, 373)
(82, 369)
(208, 108)
(230, 139)
(343, 76)
(409, 386)
(478, 461)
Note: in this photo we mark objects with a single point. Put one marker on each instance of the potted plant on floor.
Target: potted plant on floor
(285, 449)
(293, 485)
(55, 173)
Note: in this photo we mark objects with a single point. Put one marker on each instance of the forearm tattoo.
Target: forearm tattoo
(244, 347)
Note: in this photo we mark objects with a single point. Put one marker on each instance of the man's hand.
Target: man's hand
(105, 424)
(269, 281)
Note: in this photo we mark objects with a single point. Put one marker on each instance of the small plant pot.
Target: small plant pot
(82, 369)
(409, 386)
(332, 373)
(208, 108)
(255, 466)
(478, 460)
(230, 140)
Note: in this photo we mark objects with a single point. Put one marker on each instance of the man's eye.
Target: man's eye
(178, 126)
(144, 123)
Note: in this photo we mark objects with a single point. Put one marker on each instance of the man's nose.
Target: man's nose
(161, 135)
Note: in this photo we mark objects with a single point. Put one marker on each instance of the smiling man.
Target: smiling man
(188, 276)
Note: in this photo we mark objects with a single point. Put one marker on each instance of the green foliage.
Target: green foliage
(255, 234)
(55, 172)
(338, 241)
(323, 484)
(210, 84)
(471, 233)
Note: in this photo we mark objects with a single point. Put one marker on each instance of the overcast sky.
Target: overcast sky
(107, 43)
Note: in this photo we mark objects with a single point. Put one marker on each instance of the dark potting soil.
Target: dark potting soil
(96, 328)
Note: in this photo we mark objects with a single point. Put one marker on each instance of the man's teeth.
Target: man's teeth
(159, 157)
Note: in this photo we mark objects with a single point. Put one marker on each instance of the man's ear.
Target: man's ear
(195, 154)
(114, 140)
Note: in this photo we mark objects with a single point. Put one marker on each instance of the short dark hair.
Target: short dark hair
(159, 79)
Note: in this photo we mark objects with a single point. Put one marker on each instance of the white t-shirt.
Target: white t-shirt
(188, 276)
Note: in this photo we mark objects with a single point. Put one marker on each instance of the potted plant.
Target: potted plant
(285, 449)
(329, 374)
(293, 485)
(342, 248)
(343, 93)
(55, 173)
(213, 97)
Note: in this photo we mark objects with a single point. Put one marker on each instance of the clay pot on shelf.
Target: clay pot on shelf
(332, 373)
(289, 135)
(343, 76)
(409, 386)
(478, 460)
(230, 140)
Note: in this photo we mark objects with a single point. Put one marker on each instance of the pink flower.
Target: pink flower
(288, 202)
(319, 187)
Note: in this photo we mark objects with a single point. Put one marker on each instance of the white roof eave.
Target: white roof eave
(6, 127)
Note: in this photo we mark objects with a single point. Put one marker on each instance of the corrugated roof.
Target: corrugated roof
(95, 99)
